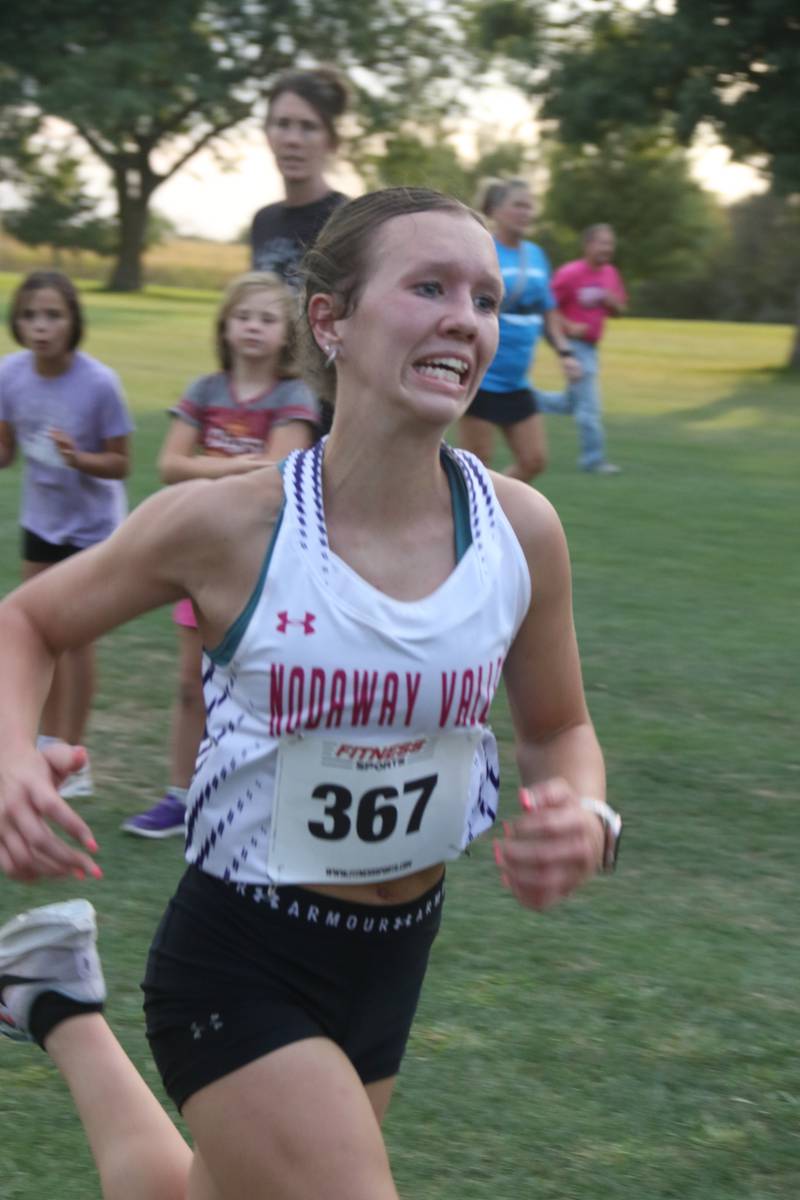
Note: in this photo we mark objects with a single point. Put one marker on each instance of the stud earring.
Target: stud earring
(330, 355)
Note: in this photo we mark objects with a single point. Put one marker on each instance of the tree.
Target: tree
(733, 63)
(145, 87)
(761, 266)
(669, 229)
(57, 211)
(407, 157)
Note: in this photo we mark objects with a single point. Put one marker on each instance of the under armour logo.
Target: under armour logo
(214, 1021)
(307, 622)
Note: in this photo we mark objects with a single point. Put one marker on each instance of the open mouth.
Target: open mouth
(448, 370)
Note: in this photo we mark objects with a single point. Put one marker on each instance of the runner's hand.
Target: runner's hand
(572, 368)
(551, 848)
(249, 462)
(66, 447)
(30, 804)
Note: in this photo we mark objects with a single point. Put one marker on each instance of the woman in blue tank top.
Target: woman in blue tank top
(506, 399)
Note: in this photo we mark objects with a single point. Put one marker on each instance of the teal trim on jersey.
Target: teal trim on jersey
(224, 652)
(459, 497)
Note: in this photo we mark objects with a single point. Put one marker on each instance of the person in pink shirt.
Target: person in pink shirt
(587, 291)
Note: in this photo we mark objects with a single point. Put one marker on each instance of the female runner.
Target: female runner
(357, 611)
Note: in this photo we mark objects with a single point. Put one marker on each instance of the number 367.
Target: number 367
(376, 815)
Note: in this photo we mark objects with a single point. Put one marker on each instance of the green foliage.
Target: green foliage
(669, 230)
(502, 160)
(407, 159)
(57, 211)
(682, 253)
(508, 27)
(620, 85)
(734, 63)
(432, 161)
(146, 87)
(759, 270)
(160, 229)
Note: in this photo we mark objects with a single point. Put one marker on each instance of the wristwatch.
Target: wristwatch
(612, 829)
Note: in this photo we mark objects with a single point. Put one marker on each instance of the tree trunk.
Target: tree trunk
(134, 187)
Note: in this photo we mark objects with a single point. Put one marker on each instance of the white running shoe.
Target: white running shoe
(48, 949)
(79, 783)
(604, 468)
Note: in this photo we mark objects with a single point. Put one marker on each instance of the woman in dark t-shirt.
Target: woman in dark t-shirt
(302, 135)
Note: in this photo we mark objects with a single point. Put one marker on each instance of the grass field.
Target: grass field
(640, 1042)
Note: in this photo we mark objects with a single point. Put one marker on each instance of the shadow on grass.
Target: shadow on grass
(772, 393)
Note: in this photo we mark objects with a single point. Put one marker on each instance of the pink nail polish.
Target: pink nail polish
(96, 872)
(498, 855)
(92, 846)
(525, 800)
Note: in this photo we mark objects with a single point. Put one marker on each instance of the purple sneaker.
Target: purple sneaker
(165, 819)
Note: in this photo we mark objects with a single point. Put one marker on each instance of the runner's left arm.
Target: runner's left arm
(555, 843)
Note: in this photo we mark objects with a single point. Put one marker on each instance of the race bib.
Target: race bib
(369, 809)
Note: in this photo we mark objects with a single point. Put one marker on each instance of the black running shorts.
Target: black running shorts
(237, 970)
(503, 408)
(36, 550)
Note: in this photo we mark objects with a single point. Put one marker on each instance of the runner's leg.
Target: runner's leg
(477, 435)
(528, 444)
(298, 1125)
(78, 673)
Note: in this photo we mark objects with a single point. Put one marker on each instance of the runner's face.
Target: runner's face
(45, 325)
(514, 214)
(256, 327)
(297, 138)
(424, 329)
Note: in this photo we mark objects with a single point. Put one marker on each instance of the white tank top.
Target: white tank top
(320, 652)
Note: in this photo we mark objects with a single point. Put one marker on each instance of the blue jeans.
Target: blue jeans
(582, 399)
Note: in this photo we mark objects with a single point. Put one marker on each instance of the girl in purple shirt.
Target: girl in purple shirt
(66, 415)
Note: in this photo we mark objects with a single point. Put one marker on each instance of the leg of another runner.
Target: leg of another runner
(140, 1154)
(528, 443)
(477, 436)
